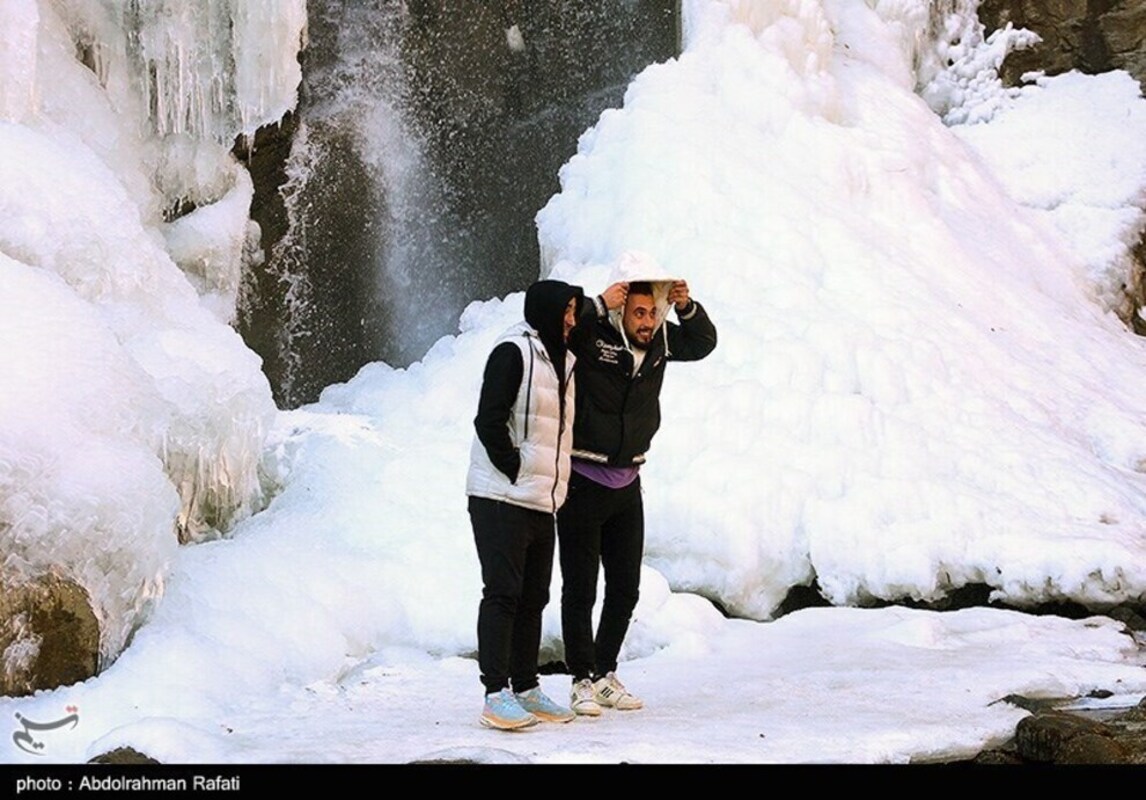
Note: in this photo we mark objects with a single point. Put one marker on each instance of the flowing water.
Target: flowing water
(427, 138)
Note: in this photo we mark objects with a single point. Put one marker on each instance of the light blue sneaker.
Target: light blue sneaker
(504, 712)
(539, 705)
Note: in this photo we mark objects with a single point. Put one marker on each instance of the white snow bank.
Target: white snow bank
(1086, 176)
(821, 685)
(912, 390)
(61, 210)
(194, 403)
(133, 411)
(82, 490)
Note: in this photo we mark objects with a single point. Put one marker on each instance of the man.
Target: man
(518, 475)
(621, 357)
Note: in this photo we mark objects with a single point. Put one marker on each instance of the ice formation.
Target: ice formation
(914, 388)
(136, 414)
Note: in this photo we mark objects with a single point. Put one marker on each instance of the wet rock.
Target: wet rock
(1001, 756)
(1073, 737)
(1085, 35)
(1093, 748)
(123, 755)
(1123, 30)
(1032, 704)
(1138, 713)
(263, 294)
(49, 635)
(1045, 736)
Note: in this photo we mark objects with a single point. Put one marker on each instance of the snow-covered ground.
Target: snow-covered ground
(920, 383)
(837, 685)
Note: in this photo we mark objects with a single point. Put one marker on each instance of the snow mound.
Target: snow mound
(914, 389)
(136, 415)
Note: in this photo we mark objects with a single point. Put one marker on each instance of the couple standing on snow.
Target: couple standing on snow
(528, 465)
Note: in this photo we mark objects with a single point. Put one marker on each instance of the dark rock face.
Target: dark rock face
(262, 293)
(49, 635)
(1124, 31)
(427, 137)
(1088, 35)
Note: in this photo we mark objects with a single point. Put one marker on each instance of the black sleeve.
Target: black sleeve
(499, 387)
(581, 337)
(695, 336)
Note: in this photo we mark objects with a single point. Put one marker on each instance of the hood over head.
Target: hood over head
(545, 303)
(634, 266)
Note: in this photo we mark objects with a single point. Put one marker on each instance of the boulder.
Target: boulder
(49, 635)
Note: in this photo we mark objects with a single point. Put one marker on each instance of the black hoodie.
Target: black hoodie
(545, 303)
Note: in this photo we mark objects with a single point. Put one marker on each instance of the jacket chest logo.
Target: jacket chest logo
(608, 353)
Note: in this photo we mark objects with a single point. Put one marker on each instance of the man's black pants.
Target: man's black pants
(515, 547)
(596, 527)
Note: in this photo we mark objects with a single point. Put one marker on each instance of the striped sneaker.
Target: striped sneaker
(583, 699)
(611, 693)
(502, 711)
(539, 705)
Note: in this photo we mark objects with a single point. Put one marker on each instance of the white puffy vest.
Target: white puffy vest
(536, 428)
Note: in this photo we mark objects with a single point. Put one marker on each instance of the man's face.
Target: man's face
(570, 317)
(640, 319)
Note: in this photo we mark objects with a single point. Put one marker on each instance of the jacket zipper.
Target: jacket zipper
(561, 388)
(528, 393)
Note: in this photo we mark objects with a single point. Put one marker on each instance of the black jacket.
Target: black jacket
(618, 412)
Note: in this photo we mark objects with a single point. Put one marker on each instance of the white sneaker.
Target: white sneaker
(582, 699)
(611, 693)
